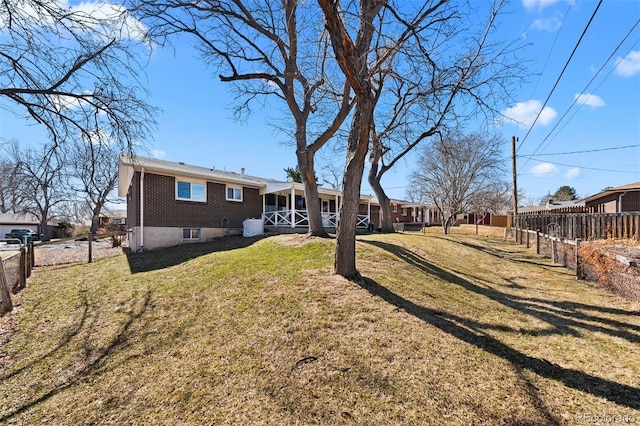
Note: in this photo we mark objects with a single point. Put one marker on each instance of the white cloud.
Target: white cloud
(538, 5)
(550, 24)
(120, 22)
(524, 113)
(629, 65)
(573, 173)
(99, 19)
(544, 169)
(157, 153)
(589, 99)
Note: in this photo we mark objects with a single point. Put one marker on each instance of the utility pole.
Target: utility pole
(515, 183)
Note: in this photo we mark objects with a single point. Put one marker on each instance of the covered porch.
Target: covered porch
(284, 206)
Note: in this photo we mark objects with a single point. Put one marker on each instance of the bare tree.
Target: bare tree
(405, 60)
(459, 173)
(352, 57)
(463, 73)
(72, 70)
(94, 169)
(12, 192)
(266, 49)
(41, 171)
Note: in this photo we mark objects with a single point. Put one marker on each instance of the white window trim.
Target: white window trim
(395, 208)
(191, 181)
(234, 187)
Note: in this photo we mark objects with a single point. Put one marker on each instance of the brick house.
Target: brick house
(625, 198)
(172, 203)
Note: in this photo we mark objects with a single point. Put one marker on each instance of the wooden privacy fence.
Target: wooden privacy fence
(14, 271)
(585, 226)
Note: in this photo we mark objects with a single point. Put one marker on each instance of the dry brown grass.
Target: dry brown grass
(444, 330)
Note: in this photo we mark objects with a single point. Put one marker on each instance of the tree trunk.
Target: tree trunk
(44, 229)
(314, 210)
(95, 218)
(305, 157)
(345, 258)
(352, 59)
(386, 225)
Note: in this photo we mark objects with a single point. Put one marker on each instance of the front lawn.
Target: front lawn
(451, 329)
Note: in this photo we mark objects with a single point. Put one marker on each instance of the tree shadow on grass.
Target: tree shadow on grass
(472, 331)
(93, 361)
(73, 332)
(565, 316)
(163, 258)
(520, 257)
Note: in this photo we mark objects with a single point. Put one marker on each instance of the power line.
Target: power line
(560, 120)
(590, 168)
(579, 152)
(553, 45)
(559, 77)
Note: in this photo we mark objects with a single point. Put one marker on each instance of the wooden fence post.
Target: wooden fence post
(30, 251)
(5, 297)
(23, 270)
(538, 241)
(578, 265)
(90, 248)
(528, 237)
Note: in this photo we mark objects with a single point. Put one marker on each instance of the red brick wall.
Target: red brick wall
(163, 210)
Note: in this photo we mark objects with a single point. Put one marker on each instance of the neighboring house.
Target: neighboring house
(9, 221)
(117, 217)
(554, 206)
(620, 199)
(171, 203)
(414, 213)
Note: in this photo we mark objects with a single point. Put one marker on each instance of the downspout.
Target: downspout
(620, 202)
(142, 209)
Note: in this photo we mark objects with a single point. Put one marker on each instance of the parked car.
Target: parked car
(21, 233)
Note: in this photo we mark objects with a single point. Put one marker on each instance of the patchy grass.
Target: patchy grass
(450, 329)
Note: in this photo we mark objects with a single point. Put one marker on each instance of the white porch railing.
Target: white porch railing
(277, 218)
(330, 220)
(282, 218)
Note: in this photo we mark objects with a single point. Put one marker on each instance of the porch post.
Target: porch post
(293, 207)
(337, 209)
(369, 211)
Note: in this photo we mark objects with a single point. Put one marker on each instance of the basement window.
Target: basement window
(191, 234)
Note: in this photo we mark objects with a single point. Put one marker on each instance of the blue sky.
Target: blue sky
(195, 125)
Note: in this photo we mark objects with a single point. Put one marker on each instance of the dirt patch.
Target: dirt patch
(297, 240)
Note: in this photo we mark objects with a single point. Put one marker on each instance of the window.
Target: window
(191, 234)
(192, 191)
(234, 193)
(404, 211)
(395, 208)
